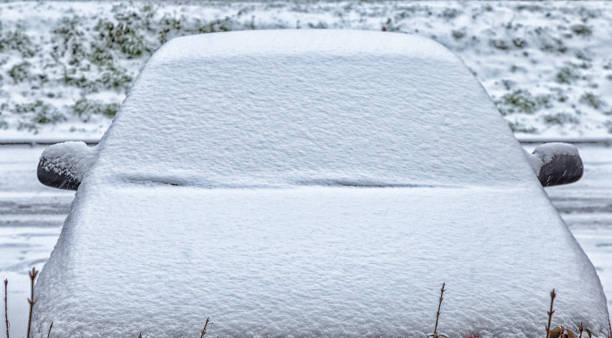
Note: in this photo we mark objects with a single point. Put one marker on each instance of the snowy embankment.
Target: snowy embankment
(66, 66)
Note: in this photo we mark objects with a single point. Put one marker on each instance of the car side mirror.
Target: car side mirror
(63, 165)
(556, 163)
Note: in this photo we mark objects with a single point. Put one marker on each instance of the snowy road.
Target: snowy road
(586, 207)
(31, 216)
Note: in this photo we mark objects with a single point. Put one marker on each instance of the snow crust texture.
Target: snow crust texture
(313, 183)
(264, 109)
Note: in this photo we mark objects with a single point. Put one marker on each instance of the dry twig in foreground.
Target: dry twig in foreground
(33, 275)
(550, 312)
(49, 332)
(203, 332)
(6, 321)
(435, 332)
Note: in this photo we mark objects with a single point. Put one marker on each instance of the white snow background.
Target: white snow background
(66, 66)
(63, 73)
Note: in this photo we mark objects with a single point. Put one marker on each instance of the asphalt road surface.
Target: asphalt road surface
(31, 216)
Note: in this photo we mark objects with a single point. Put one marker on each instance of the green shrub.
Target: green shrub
(518, 101)
(567, 75)
(114, 78)
(581, 29)
(80, 81)
(457, 34)
(500, 44)
(592, 100)
(20, 72)
(18, 41)
(69, 38)
(560, 119)
(169, 26)
(519, 127)
(218, 25)
(85, 109)
(39, 112)
(120, 37)
(101, 56)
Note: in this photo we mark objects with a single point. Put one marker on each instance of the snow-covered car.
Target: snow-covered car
(311, 183)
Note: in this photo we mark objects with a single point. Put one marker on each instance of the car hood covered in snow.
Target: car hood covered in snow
(312, 183)
(316, 261)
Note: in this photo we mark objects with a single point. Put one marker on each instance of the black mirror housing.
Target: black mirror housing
(63, 165)
(556, 163)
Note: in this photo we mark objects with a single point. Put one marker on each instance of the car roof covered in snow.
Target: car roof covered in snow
(270, 108)
(312, 183)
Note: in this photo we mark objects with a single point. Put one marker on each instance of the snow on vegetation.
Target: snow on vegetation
(65, 67)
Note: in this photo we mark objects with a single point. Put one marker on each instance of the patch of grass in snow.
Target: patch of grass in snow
(110, 78)
(85, 108)
(521, 101)
(37, 113)
(520, 127)
(80, 81)
(592, 101)
(582, 55)
(121, 37)
(518, 101)
(505, 45)
(449, 13)
(218, 25)
(16, 40)
(20, 72)
(548, 43)
(567, 75)
(68, 41)
(560, 119)
(458, 34)
(582, 30)
(170, 27)
(114, 78)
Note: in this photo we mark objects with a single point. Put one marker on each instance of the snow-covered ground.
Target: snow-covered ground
(66, 66)
(31, 217)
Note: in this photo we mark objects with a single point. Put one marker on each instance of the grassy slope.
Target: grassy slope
(66, 66)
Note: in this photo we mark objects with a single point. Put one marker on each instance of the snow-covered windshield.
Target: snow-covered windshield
(222, 110)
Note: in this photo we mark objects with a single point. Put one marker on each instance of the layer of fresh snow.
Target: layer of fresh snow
(315, 261)
(312, 183)
(263, 108)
